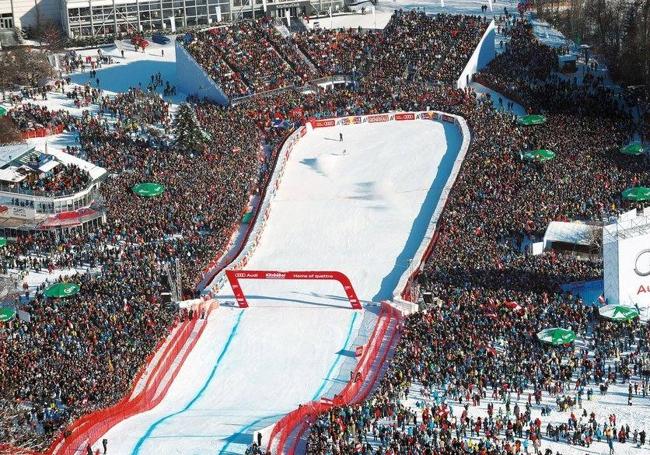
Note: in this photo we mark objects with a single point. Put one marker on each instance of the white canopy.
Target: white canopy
(575, 233)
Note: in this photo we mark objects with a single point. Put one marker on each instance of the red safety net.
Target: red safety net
(364, 378)
(88, 429)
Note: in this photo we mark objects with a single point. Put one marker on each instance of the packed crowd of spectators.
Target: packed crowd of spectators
(31, 116)
(243, 59)
(252, 56)
(338, 51)
(63, 179)
(480, 341)
(527, 72)
(474, 344)
(136, 105)
(81, 354)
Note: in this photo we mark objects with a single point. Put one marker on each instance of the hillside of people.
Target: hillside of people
(253, 57)
(82, 353)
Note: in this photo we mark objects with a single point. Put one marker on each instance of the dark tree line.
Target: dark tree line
(619, 30)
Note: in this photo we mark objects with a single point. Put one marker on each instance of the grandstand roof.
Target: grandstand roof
(13, 152)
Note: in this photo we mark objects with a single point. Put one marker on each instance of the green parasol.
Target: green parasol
(62, 290)
(3, 241)
(633, 149)
(532, 119)
(556, 336)
(618, 312)
(247, 217)
(148, 189)
(7, 314)
(540, 155)
(3, 111)
(637, 194)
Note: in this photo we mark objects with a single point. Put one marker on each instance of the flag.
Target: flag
(287, 14)
(264, 5)
(218, 8)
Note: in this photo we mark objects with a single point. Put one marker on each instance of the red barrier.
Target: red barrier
(8, 449)
(235, 275)
(88, 429)
(354, 391)
(42, 132)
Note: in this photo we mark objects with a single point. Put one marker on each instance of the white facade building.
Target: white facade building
(106, 17)
(626, 260)
(23, 14)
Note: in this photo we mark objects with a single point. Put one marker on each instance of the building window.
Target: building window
(6, 21)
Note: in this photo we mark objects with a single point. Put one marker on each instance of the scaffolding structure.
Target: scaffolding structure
(625, 240)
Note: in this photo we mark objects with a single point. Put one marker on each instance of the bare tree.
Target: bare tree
(50, 35)
(31, 66)
(9, 134)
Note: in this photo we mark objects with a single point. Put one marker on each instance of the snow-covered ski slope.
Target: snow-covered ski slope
(360, 206)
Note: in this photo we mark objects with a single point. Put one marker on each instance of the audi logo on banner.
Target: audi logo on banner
(642, 263)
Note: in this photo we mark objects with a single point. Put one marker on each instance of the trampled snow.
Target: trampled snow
(360, 206)
(134, 70)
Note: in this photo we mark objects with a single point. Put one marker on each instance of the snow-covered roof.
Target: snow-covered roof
(9, 153)
(47, 167)
(95, 171)
(574, 233)
(11, 174)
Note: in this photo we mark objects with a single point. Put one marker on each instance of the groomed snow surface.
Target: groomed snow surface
(360, 206)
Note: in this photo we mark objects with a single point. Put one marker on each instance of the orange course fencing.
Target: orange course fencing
(42, 132)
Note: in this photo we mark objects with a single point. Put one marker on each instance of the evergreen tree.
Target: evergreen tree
(189, 134)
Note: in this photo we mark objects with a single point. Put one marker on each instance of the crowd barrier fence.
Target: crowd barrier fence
(42, 132)
(88, 429)
(356, 390)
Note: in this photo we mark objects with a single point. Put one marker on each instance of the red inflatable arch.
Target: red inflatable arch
(235, 275)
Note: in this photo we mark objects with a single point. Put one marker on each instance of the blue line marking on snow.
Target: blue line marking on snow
(337, 360)
(152, 427)
(244, 429)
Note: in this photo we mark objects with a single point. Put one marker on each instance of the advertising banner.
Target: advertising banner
(326, 123)
(235, 275)
(404, 116)
(350, 121)
(378, 118)
(626, 258)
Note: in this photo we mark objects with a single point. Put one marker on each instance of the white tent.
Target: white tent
(575, 233)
